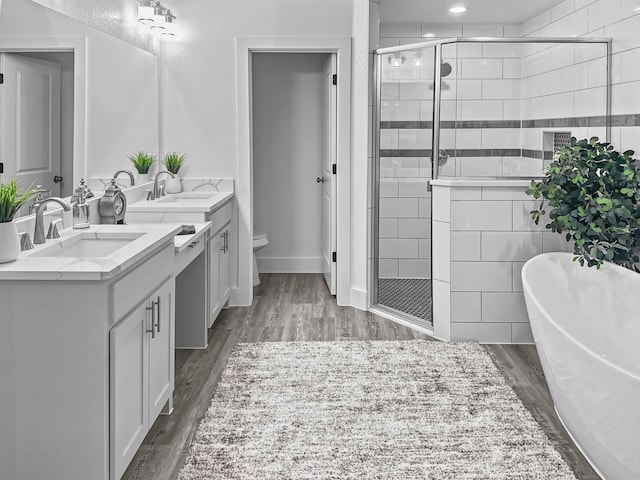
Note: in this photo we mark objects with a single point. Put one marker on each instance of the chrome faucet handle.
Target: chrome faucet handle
(162, 191)
(53, 229)
(149, 195)
(25, 241)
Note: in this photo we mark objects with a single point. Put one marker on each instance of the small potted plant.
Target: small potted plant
(10, 203)
(142, 162)
(173, 162)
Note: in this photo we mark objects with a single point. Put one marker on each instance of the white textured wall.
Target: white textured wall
(118, 18)
(287, 158)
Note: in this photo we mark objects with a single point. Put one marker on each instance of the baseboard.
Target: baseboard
(359, 299)
(290, 264)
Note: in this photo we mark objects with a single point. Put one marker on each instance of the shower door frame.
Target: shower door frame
(395, 315)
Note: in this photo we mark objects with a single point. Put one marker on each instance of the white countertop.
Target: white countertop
(205, 204)
(32, 267)
(483, 182)
(183, 241)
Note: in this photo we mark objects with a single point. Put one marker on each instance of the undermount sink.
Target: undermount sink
(87, 246)
(188, 197)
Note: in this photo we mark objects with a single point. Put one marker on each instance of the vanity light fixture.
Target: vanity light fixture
(145, 12)
(396, 61)
(418, 62)
(459, 9)
(169, 28)
(159, 19)
(429, 35)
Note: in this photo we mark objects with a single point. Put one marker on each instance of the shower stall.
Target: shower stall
(468, 108)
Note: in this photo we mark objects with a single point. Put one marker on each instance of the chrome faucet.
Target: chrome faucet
(156, 190)
(38, 234)
(133, 182)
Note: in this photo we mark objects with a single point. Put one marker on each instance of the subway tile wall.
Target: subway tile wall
(482, 236)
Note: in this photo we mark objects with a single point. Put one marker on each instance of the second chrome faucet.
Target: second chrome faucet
(38, 234)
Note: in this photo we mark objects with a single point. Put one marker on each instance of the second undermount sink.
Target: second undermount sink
(88, 245)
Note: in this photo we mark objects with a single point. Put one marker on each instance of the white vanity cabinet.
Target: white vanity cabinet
(219, 271)
(141, 367)
(82, 375)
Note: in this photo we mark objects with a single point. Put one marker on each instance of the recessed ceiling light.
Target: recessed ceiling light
(457, 9)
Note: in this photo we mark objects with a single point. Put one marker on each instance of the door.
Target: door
(213, 252)
(161, 349)
(30, 121)
(129, 399)
(225, 266)
(329, 170)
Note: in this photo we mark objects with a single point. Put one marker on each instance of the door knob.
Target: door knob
(57, 179)
(320, 180)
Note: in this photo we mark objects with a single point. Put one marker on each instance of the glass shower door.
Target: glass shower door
(402, 224)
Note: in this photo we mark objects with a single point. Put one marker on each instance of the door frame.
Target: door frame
(245, 47)
(78, 46)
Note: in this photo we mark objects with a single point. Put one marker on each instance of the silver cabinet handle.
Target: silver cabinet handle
(158, 315)
(194, 243)
(226, 241)
(153, 320)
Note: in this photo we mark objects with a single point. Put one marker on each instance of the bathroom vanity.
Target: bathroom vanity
(205, 285)
(86, 350)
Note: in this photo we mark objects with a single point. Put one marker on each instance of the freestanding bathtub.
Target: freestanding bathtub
(586, 327)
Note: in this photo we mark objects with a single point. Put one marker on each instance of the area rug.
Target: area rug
(367, 410)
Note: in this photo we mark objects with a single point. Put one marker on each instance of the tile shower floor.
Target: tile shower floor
(408, 295)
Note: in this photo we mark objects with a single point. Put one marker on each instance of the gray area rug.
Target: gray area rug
(408, 295)
(367, 410)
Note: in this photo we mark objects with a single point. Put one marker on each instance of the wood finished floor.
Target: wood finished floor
(288, 307)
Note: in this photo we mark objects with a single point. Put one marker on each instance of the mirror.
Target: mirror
(107, 95)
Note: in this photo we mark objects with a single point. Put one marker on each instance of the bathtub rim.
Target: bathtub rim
(528, 291)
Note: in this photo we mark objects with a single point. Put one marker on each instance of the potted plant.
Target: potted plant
(142, 162)
(173, 162)
(592, 192)
(10, 203)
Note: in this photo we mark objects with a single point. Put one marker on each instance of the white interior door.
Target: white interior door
(30, 121)
(328, 179)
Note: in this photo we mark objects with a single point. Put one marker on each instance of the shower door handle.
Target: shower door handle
(320, 180)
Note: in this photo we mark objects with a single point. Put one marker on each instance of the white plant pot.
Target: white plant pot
(173, 185)
(9, 243)
(143, 178)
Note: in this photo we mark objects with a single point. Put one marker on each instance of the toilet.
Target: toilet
(260, 240)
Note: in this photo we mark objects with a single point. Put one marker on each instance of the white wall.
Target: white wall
(118, 18)
(287, 158)
(118, 85)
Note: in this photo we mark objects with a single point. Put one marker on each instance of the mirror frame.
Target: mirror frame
(77, 45)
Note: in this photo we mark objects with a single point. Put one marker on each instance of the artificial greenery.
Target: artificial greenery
(11, 200)
(142, 161)
(173, 161)
(593, 194)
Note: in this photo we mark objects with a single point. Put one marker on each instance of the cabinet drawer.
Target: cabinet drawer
(220, 217)
(136, 286)
(186, 256)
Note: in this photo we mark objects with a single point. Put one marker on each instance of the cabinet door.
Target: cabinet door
(225, 266)
(214, 278)
(161, 349)
(128, 362)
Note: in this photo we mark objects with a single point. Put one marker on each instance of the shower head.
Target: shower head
(445, 69)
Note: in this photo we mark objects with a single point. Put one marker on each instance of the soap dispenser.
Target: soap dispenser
(80, 209)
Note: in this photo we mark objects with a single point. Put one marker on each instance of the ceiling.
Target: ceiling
(479, 11)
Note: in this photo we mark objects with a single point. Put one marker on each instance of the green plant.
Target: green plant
(11, 200)
(173, 161)
(593, 193)
(142, 161)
